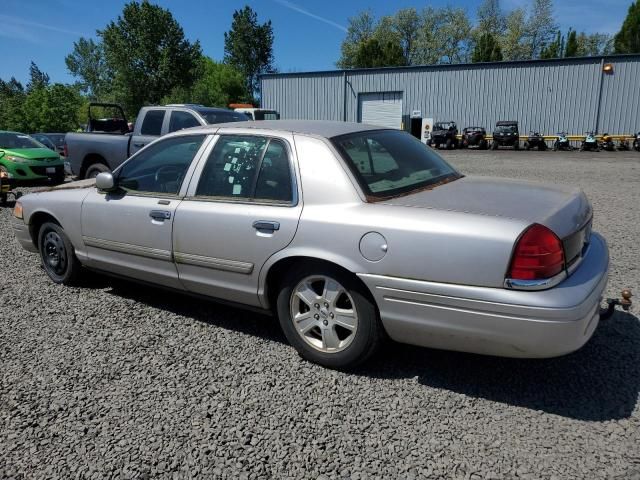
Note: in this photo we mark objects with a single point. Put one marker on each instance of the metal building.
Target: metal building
(573, 95)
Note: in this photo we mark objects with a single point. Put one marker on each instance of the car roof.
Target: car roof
(320, 128)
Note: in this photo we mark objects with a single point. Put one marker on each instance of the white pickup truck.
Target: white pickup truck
(108, 141)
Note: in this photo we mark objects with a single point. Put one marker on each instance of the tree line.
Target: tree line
(141, 58)
(447, 36)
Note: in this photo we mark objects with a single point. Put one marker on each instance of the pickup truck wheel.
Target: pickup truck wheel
(94, 169)
(327, 317)
(58, 257)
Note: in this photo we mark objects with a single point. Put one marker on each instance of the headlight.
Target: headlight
(11, 158)
(17, 210)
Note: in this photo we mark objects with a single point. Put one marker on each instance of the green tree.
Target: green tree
(487, 49)
(52, 109)
(248, 46)
(218, 85)
(12, 97)
(594, 44)
(372, 54)
(627, 40)
(540, 27)
(555, 49)
(87, 63)
(513, 44)
(148, 54)
(406, 24)
(361, 27)
(453, 35)
(37, 78)
(571, 50)
(490, 19)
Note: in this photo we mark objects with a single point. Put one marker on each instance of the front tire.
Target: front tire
(328, 316)
(494, 145)
(57, 254)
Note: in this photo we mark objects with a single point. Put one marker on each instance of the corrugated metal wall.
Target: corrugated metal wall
(548, 96)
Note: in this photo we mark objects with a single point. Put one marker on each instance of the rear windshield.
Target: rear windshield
(18, 140)
(390, 162)
(266, 115)
(222, 116)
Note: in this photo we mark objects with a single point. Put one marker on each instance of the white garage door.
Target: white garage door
(383, 109)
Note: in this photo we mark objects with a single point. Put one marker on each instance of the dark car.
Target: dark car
(474, 137)
(57, 139)
(506, 134)
(444, 133)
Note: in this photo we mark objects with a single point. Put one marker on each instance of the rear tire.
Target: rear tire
(483, 144)
(516, 146)
(494, 145)
(328, 316)
(57, 254)
(94, 169)
(542, 147)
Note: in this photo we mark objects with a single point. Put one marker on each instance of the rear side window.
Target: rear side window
(247, 167)
(152, 123)
(181, 120)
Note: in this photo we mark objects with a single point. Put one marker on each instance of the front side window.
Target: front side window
(389, 162)
(161, 167)
(246, 167)
(181, 120)
(152, 123)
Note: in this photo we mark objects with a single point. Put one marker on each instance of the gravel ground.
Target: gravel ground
(117, 380)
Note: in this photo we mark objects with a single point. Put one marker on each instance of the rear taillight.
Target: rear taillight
(66, 150)
(538, 255)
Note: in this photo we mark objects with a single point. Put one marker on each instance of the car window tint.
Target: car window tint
(161, 167)
(152, 123)
(181, 120)
(231, 167)
(369, 156)
(274, 179)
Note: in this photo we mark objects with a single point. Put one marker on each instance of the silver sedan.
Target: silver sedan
(349, 233)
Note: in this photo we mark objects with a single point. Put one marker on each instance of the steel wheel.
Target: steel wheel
(323, 314)
(54, 253)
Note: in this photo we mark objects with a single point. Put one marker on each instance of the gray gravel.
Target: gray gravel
(117, 380)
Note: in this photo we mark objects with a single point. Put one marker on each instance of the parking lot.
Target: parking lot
(116, 380)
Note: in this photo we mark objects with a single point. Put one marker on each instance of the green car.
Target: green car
(23, 158)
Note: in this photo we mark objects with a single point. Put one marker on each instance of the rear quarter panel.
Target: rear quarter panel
(114, 149)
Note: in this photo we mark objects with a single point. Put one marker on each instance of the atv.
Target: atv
(534, 140)
(562, 143)
(623, 144)
(506, 135)
(636, 142)
(606, 142)
(474, 137)
(444, 133)
(590, 142)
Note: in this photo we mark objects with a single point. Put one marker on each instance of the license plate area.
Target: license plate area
(50, 170)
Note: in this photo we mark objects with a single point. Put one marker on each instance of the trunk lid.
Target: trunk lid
(565, 210)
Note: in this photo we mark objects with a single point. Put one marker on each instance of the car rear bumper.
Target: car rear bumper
(494, 321)
(21, 231)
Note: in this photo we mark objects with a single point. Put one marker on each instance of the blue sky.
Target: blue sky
(307, 33)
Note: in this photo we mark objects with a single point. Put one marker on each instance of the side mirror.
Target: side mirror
(105, 182)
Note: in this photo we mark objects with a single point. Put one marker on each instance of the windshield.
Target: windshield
(444, 126)
(390, 162)
(18, 140)
(505, 128)
(222, 116)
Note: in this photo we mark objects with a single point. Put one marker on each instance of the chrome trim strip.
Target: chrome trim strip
(215, 263)
(128, 248)
(541, 284)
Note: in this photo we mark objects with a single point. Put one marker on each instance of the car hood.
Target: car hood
(563, 209)
(30, 153)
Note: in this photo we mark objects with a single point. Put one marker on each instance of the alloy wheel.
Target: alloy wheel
(323, 314)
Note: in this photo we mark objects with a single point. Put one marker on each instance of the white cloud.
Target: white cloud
(16, 27)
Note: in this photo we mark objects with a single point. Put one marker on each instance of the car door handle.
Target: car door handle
(139, 145)
(266, 225)
(160, 214)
